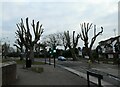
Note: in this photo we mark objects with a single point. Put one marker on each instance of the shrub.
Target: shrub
(37, 69)
(13, 54)
(20, 61)
(67, 53)
(38, 63)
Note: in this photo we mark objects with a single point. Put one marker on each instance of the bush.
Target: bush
(67, 53)
(24, 62)
(20, 61)
(38, 55)
(13, 54)
(38, 63)
(94, 55)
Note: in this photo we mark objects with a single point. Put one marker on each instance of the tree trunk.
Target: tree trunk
(21, 54)
(32, 54)
(29, 57)
(72, 50)
(89, 52)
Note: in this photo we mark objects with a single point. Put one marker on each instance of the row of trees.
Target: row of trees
(29, 41)
(63, 39)
(71, 40)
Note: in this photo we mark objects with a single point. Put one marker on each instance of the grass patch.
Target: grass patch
(7, 60)
(37, 69)
(38, 63)
(34, 63)
(20, 61)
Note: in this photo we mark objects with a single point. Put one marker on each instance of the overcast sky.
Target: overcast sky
(59, 15)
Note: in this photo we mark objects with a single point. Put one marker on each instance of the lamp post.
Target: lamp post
(50, 56)
(54, 53)
(54, 57)
(45, 55)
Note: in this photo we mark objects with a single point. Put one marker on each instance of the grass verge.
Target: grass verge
(34, 63)
(20, 61)
(38, 63)
(37, 69)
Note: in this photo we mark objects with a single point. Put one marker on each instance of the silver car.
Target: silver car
(62, 58)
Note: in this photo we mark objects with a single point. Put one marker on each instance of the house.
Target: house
(110, 48)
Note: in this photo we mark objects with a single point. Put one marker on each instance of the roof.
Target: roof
(112, 39)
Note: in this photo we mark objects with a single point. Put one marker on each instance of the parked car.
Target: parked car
(61, 58)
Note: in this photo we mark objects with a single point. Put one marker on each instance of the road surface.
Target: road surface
(110, 72)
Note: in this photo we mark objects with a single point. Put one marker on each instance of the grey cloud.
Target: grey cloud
(58, 16)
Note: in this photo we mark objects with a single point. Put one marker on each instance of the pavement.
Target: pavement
(50, 76)
(0, 76)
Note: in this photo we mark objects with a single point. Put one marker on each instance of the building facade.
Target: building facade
(110, 48)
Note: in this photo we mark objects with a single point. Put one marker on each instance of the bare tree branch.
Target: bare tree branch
(94, 38)
(84, 36)
(25, 36)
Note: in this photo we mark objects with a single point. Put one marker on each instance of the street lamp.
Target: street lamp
(50, 52)
(45, 55)
(54, 57)
(54, 53)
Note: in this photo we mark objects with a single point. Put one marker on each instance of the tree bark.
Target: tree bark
(21, 55)
(89, 52)
(72, 50)
(32, 54)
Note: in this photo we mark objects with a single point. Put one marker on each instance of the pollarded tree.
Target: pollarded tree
(5, 48)
(20, 39)
(52, 40)
(72, 42)
(26, 37)
(61, 37)
(19, 45)
(38, 47)
(85, 28)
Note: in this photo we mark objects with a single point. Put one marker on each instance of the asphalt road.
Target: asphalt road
(82, 66)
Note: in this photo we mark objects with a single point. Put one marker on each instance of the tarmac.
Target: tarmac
(92, 79)
(51, 76)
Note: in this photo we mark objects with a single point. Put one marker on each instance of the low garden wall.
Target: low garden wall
(8, 73)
